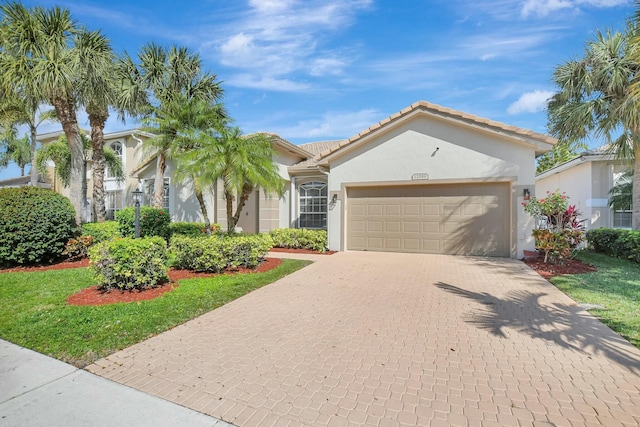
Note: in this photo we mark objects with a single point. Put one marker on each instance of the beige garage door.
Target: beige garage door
(464, 219)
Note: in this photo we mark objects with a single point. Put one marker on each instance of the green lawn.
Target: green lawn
(615, 286)
(35, 315)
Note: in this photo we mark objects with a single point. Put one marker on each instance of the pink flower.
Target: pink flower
(542, 200)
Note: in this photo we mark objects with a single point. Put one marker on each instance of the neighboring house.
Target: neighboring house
(587, 180)
(22, 181)
(426, 179)
(117, 193)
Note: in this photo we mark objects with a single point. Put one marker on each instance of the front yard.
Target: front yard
(35, 313)
(615, 287)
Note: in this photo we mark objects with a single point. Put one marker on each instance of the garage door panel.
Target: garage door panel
(458, 219)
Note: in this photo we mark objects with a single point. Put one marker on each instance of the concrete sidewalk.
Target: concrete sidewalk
(36, 390)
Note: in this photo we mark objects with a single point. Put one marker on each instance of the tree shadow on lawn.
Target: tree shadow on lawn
(568, 326)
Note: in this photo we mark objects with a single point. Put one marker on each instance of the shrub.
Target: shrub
(127, 264)
(78, 248)
(153, 222)
(101, 231)
(217, 253)
(558, 231)
(300, 238)
(35, 225)
(191, 229)
(616, 243)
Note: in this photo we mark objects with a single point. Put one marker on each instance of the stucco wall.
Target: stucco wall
(586, 185)
(444, 151)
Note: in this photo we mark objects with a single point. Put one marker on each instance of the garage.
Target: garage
(461, 219)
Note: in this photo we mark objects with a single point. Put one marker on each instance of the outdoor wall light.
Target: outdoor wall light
(334, 198)
(526, 194)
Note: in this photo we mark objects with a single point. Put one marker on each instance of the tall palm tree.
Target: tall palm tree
(242, 162)
(39, 61)
(594, 99)
(16, 150)
(97, 89)
(147, 87)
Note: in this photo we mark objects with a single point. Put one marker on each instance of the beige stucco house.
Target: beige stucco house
(426, 179)
(587, 180)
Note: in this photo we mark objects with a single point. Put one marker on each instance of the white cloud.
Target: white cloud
(531, 102)
(266, 83)
(333, 124)
(545, 7)
(276, 38)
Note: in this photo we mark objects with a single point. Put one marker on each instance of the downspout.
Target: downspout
(292, 203)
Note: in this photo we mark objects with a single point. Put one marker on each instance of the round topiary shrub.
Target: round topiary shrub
(35, 225)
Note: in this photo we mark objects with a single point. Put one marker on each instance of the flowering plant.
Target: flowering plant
(558, 230)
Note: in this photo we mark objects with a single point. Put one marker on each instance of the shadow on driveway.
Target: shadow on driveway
(568, 326)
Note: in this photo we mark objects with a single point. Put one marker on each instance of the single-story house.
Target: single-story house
(427, 179)
(586, 180)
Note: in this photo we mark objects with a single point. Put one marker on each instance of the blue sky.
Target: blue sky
(314, 70)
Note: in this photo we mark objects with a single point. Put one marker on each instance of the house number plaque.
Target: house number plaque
(418, 176)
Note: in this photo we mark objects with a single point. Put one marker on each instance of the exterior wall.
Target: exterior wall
(444, 151)
(587, 185)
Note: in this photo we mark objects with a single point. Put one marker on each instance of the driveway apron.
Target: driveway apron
(383, 339)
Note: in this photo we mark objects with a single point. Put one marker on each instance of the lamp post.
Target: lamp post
(137, 196)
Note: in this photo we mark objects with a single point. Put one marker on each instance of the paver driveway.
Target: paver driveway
(394, 339)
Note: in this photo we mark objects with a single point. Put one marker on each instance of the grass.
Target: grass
(35, 314)
(615, 286)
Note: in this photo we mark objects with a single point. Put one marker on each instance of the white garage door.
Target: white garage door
(464, 219)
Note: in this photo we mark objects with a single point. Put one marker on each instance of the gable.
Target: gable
(438, 149)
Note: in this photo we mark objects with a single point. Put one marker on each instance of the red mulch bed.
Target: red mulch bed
(94, 296)
(548, 270)
(59, 266)
(301, 251)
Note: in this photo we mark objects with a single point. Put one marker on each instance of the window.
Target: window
(113, 203)
(622, 219)
(313, 205)
(117, 149)
(165, 203)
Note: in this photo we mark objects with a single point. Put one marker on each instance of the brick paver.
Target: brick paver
(377, 339)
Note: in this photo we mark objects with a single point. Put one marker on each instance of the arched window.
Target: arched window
(313, 205)
(118, 150)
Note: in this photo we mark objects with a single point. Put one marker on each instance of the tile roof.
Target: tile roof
(447, 113)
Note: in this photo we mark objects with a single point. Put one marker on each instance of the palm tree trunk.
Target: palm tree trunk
(203, 207)
(229, 199)
(158, 183)
(97, 122)
(247, 189)
(34, 172)
(66, 113)
(635, 218)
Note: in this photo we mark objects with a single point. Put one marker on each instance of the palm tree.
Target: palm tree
(242, 162)
(59, 153)
(16, 150)
(18, 110)
(594, 100)
(559, 154)
(161, 76)
(38, 60)
(197, 119)
(97, 89)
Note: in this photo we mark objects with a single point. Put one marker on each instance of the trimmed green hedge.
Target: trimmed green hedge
(35, 225)
(127, 263)
(101, 231)
(191, 229)
(300, 238)
(616, 242)
(217, 253)
(153, 222)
